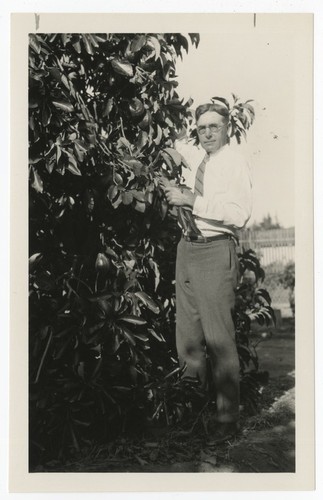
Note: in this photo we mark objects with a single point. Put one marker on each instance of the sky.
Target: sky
(254, 65)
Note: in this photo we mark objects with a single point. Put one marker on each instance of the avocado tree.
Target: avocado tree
(104, 113)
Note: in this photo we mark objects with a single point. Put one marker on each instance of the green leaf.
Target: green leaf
(112, 192)
(33, 104)
(97, 368)
(64, 105)
(134, 320)
(117, 201)
(81, 369)
(50, 336)
(148, 302)
(142, 139)
(139, 195)
(195, 38)
(163, 208)
(128, 335)
(122, 388)
(149, 198)
(122, 67)
(155, 268)
(74, 169)
(34, 43)
(87, 44)
(264, 293)
(184, 42)
(66, 82)
(37, 183)
(34, 260)
(239, 123)
(222, 99)
(153, 40)
(140, 206)
(123, 144)
(175, 155)
(116, 342)
(102, 263)
(137, 43)
(71, 158)
(141, 336)
(127, 197)
(93, 40)
(77, 47)
(109, 251)
(46, 115)
(64, 38)
(160, 338)
(173, 372)
(108, 107)
(80, 422)
(99, 297)
(159, 135)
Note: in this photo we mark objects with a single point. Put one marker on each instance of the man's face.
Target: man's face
(212, 131)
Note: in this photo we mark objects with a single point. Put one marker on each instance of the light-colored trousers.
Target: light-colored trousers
(206, 277)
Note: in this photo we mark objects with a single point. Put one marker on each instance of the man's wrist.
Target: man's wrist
(189, 198)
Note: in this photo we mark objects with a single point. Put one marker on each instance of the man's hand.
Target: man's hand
(164, 182)
(179, 197)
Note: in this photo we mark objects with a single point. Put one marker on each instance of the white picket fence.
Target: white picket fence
(274, 248)
(274, 245)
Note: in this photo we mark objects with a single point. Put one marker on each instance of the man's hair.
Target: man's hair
(219, 107)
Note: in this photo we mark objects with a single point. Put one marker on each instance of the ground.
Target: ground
(266, 442)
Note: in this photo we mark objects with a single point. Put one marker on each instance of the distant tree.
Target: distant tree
(287, 279)
(266, 223)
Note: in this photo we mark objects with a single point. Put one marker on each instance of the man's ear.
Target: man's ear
(229, 130)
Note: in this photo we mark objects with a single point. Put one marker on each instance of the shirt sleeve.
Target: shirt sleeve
(233, 206)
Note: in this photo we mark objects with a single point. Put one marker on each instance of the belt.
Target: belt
(207, 239)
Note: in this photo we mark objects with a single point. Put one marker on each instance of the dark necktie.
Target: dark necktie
(199, 179)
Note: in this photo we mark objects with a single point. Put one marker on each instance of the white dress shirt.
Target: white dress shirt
(226, 203)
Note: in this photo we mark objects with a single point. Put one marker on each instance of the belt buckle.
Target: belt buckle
(190, 239)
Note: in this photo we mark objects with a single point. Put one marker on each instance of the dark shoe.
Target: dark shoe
(224, 431)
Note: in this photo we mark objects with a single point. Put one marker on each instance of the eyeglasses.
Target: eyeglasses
(213, 128)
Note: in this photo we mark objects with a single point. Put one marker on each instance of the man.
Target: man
(207, 267)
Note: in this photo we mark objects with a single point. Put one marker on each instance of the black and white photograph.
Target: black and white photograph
(163, 245)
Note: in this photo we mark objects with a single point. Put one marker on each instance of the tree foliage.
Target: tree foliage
(103, 117)
(104, 113)
(266, 224)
